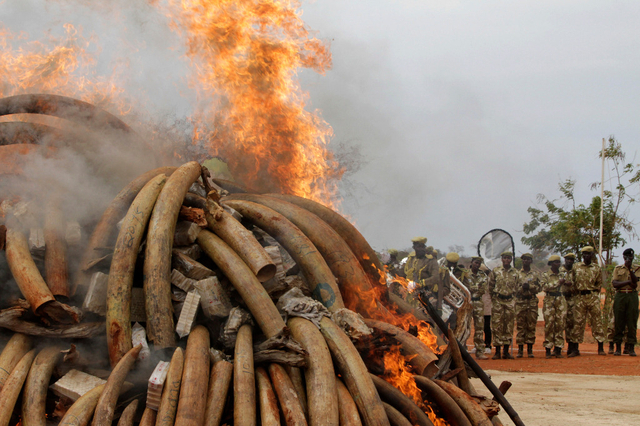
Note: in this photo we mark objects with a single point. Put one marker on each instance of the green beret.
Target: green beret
(587, 249)
(477, 258)
(419, 240)
(452, 257)
(392, 252)
(553, 258)
(529, 255)
(506, 253)
(570, 256)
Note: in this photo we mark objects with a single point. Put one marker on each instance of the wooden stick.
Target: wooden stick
(107, 401)
(395, 417)
(13, 386)
(391, 395)
(269, 412)
(245, 282)
(504, 387)
(127, 417)
(16, 348)
(244, 384)
(449, 408)
(219, 382)
(241, 240)
(319, 277)
(169, 403)
(354, 373)
(157, 263)
(102, 233)
(55, 255)
(471, 408)
(347, 407)
(122, 269)
(82, 410)
(195, 379)
(319, 375)
(463, 378)
(36, 386)
(291, 408)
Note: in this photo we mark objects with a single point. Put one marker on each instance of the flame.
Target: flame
(252, 112)
(64, 65)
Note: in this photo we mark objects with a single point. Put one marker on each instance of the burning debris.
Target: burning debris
(328, 347)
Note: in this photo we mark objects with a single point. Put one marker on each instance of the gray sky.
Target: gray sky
(463, 110)
(467, 110)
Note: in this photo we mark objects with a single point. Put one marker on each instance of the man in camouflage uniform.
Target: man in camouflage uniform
(476, 282)
(527, 306)
(568, 291)
(586, 276)
(625, 303)
(503, 282)
(554, 309)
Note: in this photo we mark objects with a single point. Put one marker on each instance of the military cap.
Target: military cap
(529, 255)
(452, 257)
(587, 249)
(629, 252)
(477, 258)
(570, 256)
(392, 252)
(506, 253)
(419, 240)
(553, 258)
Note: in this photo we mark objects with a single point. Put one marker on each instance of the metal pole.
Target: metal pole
(473, 364)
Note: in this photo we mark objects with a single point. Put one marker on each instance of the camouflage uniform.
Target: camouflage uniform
(502, 287)
(527, 307)
(569, 296)
(587, 280)
(554, 310)
(625, 306)
(477, 284)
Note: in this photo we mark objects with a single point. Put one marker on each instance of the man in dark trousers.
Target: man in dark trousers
(625, 303)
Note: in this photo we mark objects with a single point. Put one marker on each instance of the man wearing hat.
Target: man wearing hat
(452, 265)
(568, 291)
(393, 265)
(422, 268)
(527, 306)
(503, 282)
(476, 282)
(586, 276)
(625, 303)
(554, 309)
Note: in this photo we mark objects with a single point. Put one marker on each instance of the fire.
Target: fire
(245, 57)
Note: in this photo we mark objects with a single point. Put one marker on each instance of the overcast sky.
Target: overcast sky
(462, 110)
(466, 110)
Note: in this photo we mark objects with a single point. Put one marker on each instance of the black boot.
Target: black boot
(548, 353)
(601, 348)
(576, 351)
(505, 352)
(558, 352)
(520, 351)
(530, 350)
(497, 354)
(632, 351)
(625, 351)
(617, 352)
(610, 348)
(569, 349)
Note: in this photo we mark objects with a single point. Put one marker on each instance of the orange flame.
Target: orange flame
(246, 55)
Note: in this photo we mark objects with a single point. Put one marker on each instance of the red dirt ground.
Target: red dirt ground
(589, 362)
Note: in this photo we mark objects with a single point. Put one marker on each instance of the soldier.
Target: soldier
(568, 291)
(554, 309)
(586, 276)
(527, 306)
(393, 265)
(476, 281)
(625, 303)
(503, 282)
(452, 265)
(486, 299)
